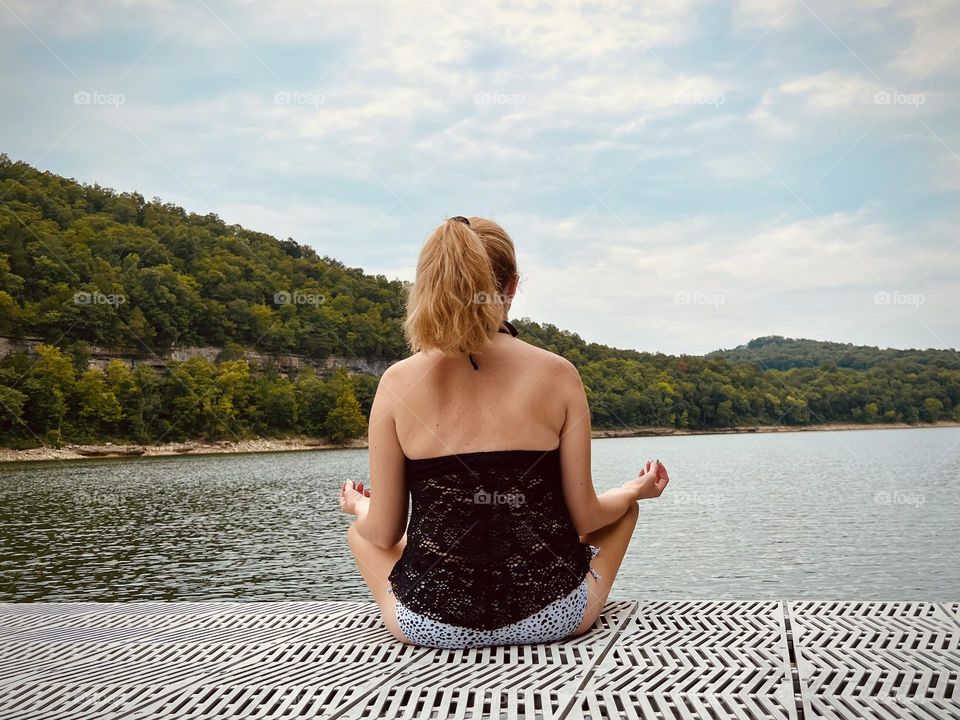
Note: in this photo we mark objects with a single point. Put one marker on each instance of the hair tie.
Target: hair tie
(461, 218)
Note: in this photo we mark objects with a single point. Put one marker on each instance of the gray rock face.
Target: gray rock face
(99, 357)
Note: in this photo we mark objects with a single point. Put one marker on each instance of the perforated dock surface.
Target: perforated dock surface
(671, 660)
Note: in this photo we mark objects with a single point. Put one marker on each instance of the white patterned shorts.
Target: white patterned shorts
(554, 622)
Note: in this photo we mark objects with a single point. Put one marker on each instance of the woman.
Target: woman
(490, 437)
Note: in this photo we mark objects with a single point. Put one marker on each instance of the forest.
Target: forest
(84, 266)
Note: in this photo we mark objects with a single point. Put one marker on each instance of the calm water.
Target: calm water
(865, 514)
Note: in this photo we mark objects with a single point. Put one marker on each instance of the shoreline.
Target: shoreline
(221, 447)
(294, 444)
(748, 429)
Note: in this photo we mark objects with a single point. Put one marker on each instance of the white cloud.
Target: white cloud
(934, 46)
(831, 90)
(814, 278)
(527, 112)
(767, 119)
(751, 14)
(850, 97)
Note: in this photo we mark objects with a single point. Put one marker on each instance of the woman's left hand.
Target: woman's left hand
(651, 482)
(352, 497)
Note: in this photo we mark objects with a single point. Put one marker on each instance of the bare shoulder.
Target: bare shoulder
(399, 372)
(554, 366)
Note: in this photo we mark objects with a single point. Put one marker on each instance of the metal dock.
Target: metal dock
(650, 660)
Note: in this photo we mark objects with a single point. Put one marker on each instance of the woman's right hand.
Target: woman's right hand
(352, 497)
(650, 482)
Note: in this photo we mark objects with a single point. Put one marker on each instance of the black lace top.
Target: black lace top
(490, 540)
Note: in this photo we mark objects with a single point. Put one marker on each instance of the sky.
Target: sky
(677, 177)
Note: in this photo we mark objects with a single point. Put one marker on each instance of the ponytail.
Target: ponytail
(455, 303)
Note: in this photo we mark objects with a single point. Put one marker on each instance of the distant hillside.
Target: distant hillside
(775, 351)
(85, 263)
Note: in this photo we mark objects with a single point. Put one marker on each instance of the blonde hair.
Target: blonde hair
(456, 302)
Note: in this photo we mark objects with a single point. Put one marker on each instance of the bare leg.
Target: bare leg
(613, 539)
(375, 564)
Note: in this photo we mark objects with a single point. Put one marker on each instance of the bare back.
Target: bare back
(511, 403)
(521, 398)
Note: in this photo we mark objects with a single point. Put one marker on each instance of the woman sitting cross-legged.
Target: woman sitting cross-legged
(486, 439)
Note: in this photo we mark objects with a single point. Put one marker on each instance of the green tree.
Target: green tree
(11, 412)
(316, 401)
(96, 405)
(932, 410)
(276, 405)
(9, 314)
(345, 420)
(48, 385)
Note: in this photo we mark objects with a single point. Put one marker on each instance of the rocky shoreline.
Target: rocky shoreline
(826, 427)
(109, 450)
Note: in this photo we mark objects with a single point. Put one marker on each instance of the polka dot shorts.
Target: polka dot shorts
(554, 622)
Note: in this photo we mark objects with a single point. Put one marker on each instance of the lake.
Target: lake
(855, 515)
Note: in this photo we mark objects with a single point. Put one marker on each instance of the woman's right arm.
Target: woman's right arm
(589, 511)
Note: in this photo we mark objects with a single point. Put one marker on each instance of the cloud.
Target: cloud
(634, 151)
(831, 90)
(751, 14)
(830, 95)
(934, 46)
(696, 285)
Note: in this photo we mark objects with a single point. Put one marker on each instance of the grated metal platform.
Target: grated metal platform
(764, 660)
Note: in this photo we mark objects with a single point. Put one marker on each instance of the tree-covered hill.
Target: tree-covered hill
(82, 262)
(627, 387)
(774, 351)
(83, 265)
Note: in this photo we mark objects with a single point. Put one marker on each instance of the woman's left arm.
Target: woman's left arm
(382, 518)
